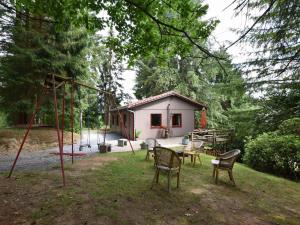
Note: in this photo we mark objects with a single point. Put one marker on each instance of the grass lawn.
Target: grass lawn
(115, 189)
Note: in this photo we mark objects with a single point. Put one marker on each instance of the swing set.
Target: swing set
(54, 83)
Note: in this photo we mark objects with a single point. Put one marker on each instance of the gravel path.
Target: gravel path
(44, 160)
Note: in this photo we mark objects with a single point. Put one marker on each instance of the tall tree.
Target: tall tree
(142, 26)
(31, 50)
(197, 77)
(275, 36)
(281, 102)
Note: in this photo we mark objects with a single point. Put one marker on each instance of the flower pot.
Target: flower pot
(103, 148)
(185, 141)
(144, 146)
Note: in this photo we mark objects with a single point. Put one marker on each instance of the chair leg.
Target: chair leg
(200, 159)
(147, 155)
(178, 180)
(157, 176)
(231, 176)
(154, 178)
(217, 175)
(214, 172)
(169, 181)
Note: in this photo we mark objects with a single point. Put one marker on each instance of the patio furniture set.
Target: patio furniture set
(169, 160)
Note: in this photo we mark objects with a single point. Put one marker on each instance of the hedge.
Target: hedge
(274, 153)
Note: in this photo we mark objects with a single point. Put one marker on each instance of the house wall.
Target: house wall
(142, 117)
(119, 127)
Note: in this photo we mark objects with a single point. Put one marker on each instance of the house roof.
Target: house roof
(158, 97)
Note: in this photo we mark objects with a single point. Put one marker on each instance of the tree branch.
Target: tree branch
(12, 9)
(256, 21)
(185, 34)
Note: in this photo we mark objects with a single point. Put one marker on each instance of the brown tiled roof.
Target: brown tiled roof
(161, 96)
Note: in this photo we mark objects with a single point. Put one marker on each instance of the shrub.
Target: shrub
(290, 126)
(3, 119)
(137, 133)
(273, 153)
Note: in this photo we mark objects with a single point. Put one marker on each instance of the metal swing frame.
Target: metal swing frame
(52, 84)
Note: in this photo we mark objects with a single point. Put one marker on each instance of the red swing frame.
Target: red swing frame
(54, 82)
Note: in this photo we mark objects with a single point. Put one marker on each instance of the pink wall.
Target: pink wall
(119, 128)
(143, 114)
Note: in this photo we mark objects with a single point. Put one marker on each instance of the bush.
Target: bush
(273, 153)
(3, 119)
(290, 126)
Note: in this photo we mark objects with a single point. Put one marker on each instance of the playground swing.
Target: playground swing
(99, 143)
(88, 124)
(53, 83)
(102, 146)
(88, 136)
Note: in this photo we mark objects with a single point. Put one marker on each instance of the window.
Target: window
(176, 120)
(155, 120)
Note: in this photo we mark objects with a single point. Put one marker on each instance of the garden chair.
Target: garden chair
(168, 161)
(193, 149)
(151, 143)
(225, 161)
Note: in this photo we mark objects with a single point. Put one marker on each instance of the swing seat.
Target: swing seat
(82, 146)
(68, 154)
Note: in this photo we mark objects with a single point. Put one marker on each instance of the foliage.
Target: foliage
(106, 68)
(241, 119)
(142, 27)
(279, 103)
(39, 51)
(274, 34)
(3, 119)
(137, 133)
(197, 77)
(290, 126)
(273, 153)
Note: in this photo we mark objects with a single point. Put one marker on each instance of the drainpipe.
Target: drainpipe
(168, 120)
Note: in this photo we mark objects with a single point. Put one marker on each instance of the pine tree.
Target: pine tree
(33, 50)
(197, 77)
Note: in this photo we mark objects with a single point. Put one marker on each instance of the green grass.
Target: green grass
(118, 192)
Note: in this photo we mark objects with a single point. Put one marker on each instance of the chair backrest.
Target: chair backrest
(151, 142)
(197, 145)
(166, 157)
(194, 145)
(231, 156)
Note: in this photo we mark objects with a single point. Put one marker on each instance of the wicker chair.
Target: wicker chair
(166, 160)
(193, 149)
(225, 161)
(151, 143)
